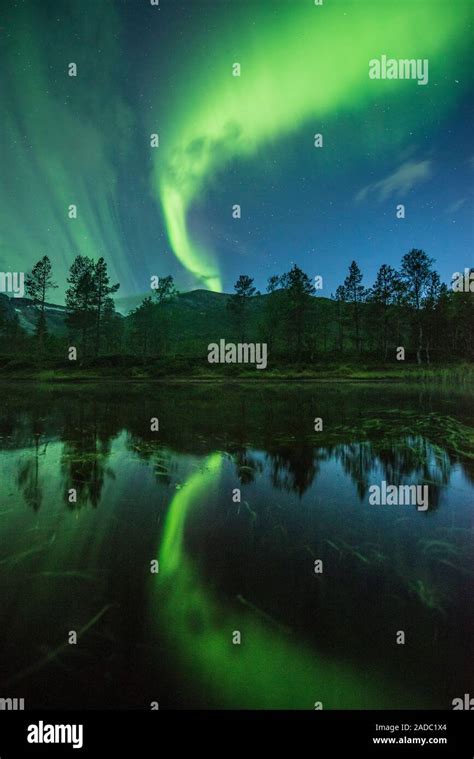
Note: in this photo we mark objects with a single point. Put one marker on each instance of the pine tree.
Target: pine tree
(355, 294)
(272, 313)
(112, 327)
(80, 296)
(416, 273)
(384, 295)
(239, 303)
(142, 323)
(102, 292)
(340, 298)
(38, 282)
(162, 317)
(166, 290)
(298, 288)
(436, 291)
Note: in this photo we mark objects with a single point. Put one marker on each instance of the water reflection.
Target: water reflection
(304, 497)
(374, 446)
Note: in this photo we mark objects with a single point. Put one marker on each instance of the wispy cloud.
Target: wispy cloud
(399, 182)
(454, 207)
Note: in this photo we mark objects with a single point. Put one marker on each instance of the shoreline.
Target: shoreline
(440, 376)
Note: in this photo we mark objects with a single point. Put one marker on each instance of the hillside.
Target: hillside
(27, 314)
(194, 319)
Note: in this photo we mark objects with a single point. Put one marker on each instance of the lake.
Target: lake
(204, 546)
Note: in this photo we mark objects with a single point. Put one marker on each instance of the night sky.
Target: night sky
(226, 140)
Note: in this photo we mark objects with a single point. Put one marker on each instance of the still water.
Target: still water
(93, 502)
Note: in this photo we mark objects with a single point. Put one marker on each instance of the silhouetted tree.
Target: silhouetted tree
(272, 312)
(416, 272)
(102, 301)
(355, 294)
(340, 300)
(142, 320)
(239, 302)
(166, 290)
(383, 295)
(112, 327)
(298, 288)
(80, 299)
(37, 284)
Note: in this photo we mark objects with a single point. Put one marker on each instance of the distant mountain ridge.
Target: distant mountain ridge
(193, 318)
(193, 298)
(27, 314)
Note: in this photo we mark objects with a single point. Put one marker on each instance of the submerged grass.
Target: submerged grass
(56, 652)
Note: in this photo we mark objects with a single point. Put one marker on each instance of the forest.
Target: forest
(408, 315)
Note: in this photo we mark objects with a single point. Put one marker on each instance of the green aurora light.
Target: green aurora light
(268, 670)
(298, 66)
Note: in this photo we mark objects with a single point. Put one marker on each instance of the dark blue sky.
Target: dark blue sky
(302, 208)
(141, 69)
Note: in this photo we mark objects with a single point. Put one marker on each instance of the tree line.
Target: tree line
(407, 307)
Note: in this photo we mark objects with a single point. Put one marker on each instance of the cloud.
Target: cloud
(399, 182)
(454, 207)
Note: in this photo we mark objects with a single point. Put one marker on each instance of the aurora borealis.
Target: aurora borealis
(226, 140)
(260, 675)
(192, 191)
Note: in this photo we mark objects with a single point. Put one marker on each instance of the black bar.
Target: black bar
(159, 733)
